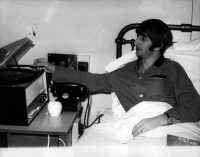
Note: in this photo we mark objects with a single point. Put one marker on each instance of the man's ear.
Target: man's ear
(158, 48)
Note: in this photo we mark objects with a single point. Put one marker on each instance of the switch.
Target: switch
(83, 66)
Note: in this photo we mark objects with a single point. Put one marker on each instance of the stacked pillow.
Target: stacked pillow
(188, 55)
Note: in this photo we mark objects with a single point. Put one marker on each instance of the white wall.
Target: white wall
(86, 27)
(196, 16)
(82, 26)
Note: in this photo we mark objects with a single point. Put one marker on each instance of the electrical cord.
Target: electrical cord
(49, 139)
(86, 116)
(97, 118)
(85, 124)
(62, 142)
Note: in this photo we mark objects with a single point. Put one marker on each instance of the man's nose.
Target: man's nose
(137, 41)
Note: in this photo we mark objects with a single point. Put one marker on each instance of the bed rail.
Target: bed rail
(121, 41)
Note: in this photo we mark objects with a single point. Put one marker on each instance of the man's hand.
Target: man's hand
(42, 62)
(149, 124)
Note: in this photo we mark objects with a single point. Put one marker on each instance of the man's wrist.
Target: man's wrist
(51, 68)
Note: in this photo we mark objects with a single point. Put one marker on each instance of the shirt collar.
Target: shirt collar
(157, 63)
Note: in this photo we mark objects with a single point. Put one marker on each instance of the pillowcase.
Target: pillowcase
(192, 45)
(120, 62)
(190, 61)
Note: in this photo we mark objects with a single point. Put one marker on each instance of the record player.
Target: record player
(23, 88)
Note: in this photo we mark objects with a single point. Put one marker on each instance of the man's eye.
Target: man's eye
(144, 39)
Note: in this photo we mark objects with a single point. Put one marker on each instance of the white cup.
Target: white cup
(54, 108)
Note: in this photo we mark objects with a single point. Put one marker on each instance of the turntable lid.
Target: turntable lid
(13, 52)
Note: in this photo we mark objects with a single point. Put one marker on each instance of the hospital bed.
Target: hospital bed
(158, 142)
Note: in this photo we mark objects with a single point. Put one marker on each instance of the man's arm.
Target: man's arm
(152, 123)
(42, 63)
(187, 108)
(188, 103)
(97, 83)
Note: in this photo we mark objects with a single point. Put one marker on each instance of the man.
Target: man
(150, 78)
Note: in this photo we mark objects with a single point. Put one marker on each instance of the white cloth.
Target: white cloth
(117, 108)
(192, 45)
(121, 129)
(120, 62)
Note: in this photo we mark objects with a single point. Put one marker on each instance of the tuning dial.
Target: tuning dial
(43, 97)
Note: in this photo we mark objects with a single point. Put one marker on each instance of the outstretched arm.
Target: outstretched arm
(97, 83)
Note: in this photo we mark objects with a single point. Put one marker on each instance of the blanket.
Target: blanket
(120, 130)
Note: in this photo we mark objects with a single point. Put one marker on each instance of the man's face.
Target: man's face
(143, 44)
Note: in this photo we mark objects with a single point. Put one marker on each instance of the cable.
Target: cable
(48, 141)
(87, 113)
(89, 107)
(98, 118)
(62, 142)
(86, 124)
(86, 117)
(86, 110)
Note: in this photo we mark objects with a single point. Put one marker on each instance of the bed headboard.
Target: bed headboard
(120, 41)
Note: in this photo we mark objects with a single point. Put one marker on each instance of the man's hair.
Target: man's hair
(158, 32)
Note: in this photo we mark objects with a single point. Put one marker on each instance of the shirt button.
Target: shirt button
(141, 95)
(140, 77)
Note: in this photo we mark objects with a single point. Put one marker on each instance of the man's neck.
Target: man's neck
(147, 62)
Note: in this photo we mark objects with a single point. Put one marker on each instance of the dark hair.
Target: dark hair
(158, 32)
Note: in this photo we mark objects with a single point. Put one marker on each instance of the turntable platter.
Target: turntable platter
(16, 76)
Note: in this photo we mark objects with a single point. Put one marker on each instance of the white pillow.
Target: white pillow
(190, 61)
(120, 62)
(192, 45)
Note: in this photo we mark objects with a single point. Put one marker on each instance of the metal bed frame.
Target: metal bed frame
(120, 41)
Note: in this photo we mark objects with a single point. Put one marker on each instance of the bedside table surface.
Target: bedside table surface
(45, 124)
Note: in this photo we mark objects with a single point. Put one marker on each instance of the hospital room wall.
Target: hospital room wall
(85, 27)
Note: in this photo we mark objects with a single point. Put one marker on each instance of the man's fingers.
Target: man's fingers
(139, 124)
(40, 68)
(39, 62)
(137, 130)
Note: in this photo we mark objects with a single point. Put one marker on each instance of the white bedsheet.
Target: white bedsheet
(119, 130)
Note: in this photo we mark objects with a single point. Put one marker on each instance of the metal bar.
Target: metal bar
(120, 41)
